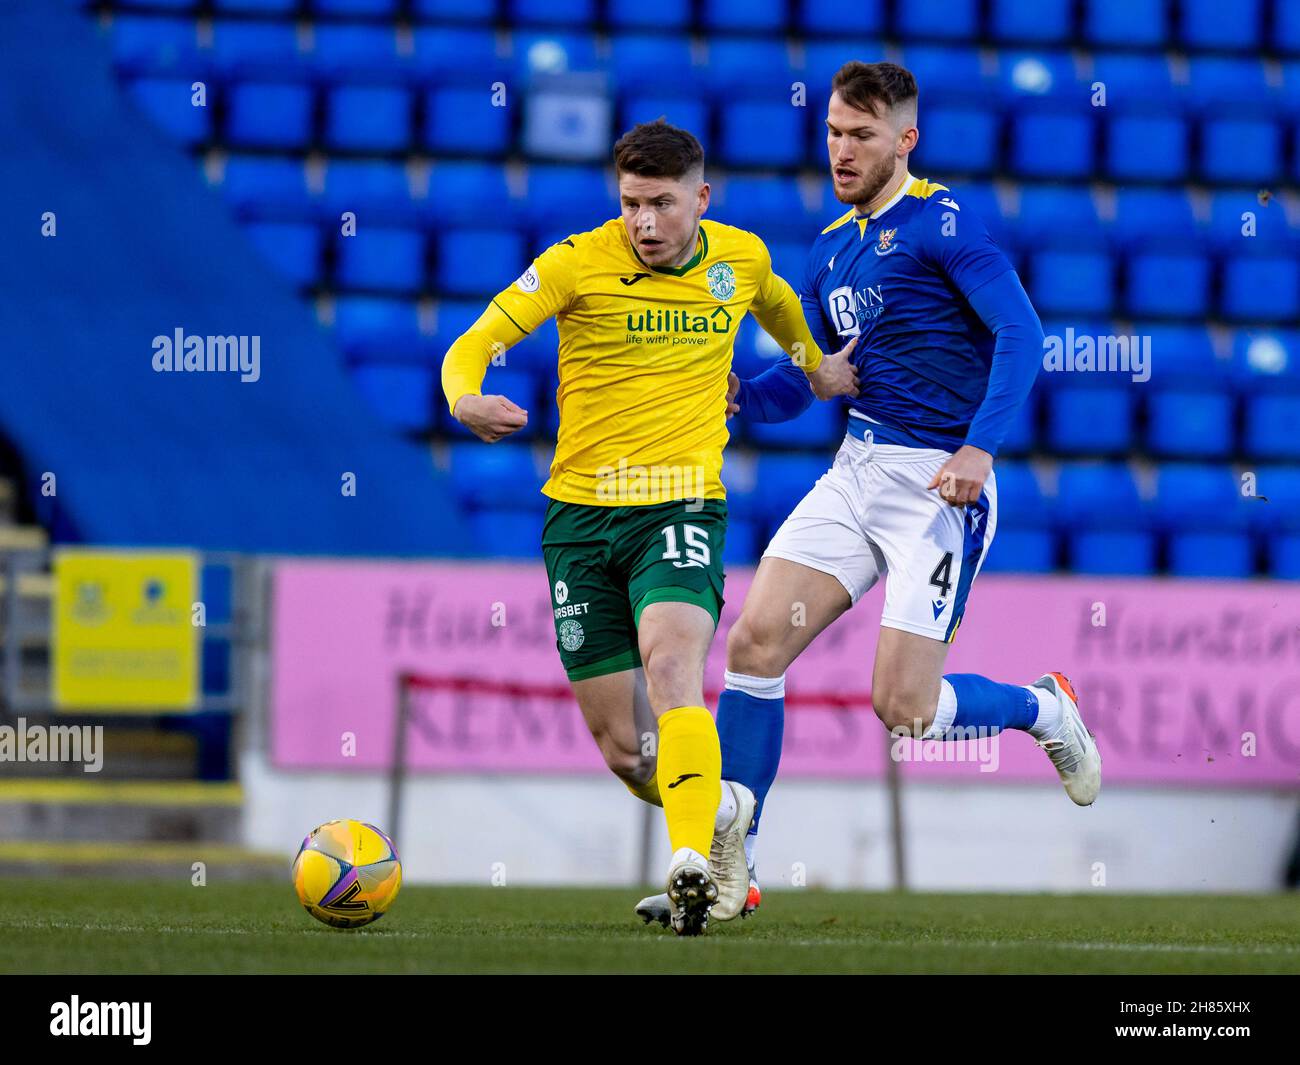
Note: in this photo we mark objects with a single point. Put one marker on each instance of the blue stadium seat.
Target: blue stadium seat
(744, 16)
(479, 261)
(1175, 283)
(1043, 21)
(773, 206)
(458, 120)
(401, 394)
(1042, 75)
(639, 61)
(1211, 554)
(368, 118)
(377, 258)
(1228, 83)
(745, 67)
(265, 186)
(1284, 556)
(1151, 147)
(553, 52)
(1100, 496)
(507, 533)
(1190, 424)
(269, 116)
(960, 140)
(1183, 356)
(374, 323)
(1229, 223)
(1119, 553)
(1276, 506)
(957, 20)
(948, 73)
(821, 425)
(575, 198)
(781, 480)
(256, 7)
(468, 192)
(1051, 144)
(355, 52)
(1227, 142)
(1209, 25)
(482, 11)
(1021, 503)
(1072, 281)
(1136, 80)
(1057, 215)
(1261, 287)
(1200, 496)
(1133, 24)
(292, 248)
(168, 104)
(788, 260)
(826, 18)
(822, 58)
(635, 14)
(459, 55)
(762, 134)
(503, 475)
(454, 317)
(1144, 216)
(1286, 26)
(551, 12)
(1021, 551)
(154, 45)
(688, 112)
(248, 49)
(1273, 426)
(355, 7)
(742, 546)
(1091, 419)
(373, 189)
(1266, 360)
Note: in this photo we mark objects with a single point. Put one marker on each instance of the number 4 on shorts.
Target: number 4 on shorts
(941, 578)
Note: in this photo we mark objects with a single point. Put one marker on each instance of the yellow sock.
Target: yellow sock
(649, 791)
(690, 756)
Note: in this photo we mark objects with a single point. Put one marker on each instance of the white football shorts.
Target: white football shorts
(871, 515)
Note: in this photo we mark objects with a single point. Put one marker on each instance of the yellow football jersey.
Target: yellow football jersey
(643, 360)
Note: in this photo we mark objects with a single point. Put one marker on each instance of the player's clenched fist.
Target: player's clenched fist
(490, 417)
(835, 375)
(961, 479)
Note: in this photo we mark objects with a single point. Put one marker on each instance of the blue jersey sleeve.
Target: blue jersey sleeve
(1004, 307)
(777, 394)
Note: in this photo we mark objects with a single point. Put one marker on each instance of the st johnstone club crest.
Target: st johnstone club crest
(885, 243)
(722, 281)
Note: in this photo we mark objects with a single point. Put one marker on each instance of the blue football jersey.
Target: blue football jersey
(898, 281)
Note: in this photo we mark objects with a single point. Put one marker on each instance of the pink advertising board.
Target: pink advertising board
(1185, 683)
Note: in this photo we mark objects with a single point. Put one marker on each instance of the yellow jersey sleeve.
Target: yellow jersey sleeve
(777, 309)
(542, 291)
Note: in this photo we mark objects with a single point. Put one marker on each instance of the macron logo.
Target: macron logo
(947, 202)
(939, 607)
(102, 1018)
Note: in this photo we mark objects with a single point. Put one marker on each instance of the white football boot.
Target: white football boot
(1071, 747)
(655, 908)
(692, 891)
(727, 856)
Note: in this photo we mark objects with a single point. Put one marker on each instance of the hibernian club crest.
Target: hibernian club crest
(722, 281)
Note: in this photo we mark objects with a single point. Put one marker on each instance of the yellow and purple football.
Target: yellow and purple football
(347, 873)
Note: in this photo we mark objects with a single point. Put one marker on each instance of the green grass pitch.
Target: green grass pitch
(115, 926)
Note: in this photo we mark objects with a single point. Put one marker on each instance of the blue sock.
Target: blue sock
(984, 703)
(750, 730)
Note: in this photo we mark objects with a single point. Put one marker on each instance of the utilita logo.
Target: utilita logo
(132, 1019)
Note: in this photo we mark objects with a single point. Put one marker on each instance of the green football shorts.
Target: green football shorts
(606, 564)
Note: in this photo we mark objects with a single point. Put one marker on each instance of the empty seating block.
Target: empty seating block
(368, 118)
(378, 258)
(269, 116)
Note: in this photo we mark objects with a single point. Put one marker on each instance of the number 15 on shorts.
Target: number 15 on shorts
(697, 546)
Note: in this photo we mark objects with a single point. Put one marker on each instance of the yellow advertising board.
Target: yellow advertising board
(124, 638)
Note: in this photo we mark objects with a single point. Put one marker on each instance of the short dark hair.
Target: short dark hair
(867, 85)
(656, 149)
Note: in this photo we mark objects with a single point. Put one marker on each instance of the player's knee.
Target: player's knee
(628, 764)
(901, 707)
(754, 651)
(672, 675)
